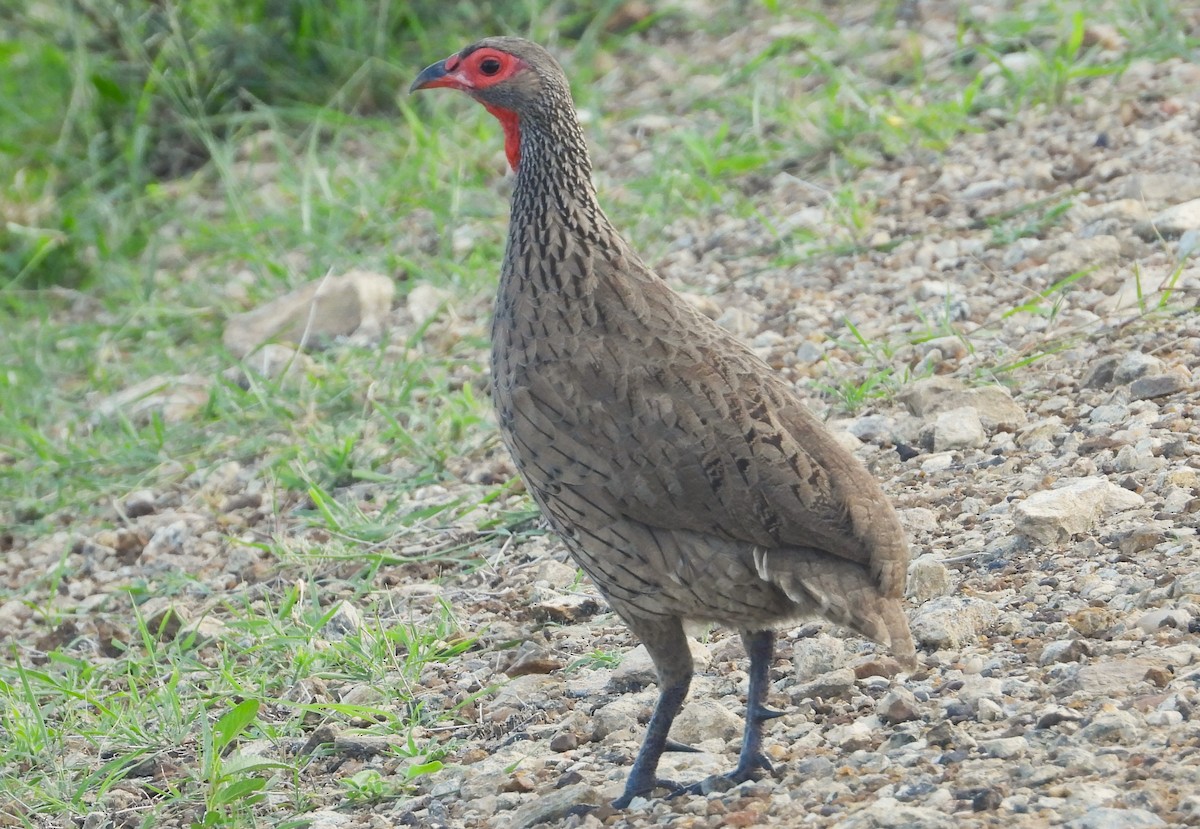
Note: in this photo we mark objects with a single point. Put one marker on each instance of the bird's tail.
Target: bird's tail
(842, 592)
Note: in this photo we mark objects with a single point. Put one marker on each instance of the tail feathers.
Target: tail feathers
(842, 592)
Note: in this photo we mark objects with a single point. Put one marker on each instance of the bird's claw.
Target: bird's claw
(675, 745)
(762, 713)
(748, 770)
(632, 791)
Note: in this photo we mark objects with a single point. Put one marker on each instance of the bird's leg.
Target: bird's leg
(672, 657)
(760, 647)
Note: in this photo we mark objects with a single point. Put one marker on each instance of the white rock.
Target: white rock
(1112, 676)
(989, 711)
(621, 714)
(934, 289)
(345, 621)
(1109, 413)
(1135, 364)
(993, 404)
(174, 399)
(976, 688)
(872, 428)
(951, 621)
(938, 462)
(1164, 618)
(273, 361)
(166, 540)
(847, 441)
(1167, 718)
(835, 683)
(816, 655)
(1186, 584)
(918, 518)
(705, 719)
(1017, 63)
(889, 813)
(426, 301)
(1062, 650)
(13, 613)
(897, 705)
(958, 429)
(1177, 500)
(1107, 817)
(1172, 222)
(1054, 515)
(556, 574)
(927, 578)
(1180, 476)
(551, 806)
(1005, 747)
(853, 735)
(1084, 255)
(320, 310)
(1114, 726)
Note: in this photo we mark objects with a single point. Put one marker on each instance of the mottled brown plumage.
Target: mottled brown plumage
(686, 477)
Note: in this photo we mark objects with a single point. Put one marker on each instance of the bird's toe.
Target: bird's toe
(637, 789)
(749, 768)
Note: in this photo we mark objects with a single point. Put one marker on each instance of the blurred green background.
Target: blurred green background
(101, 99)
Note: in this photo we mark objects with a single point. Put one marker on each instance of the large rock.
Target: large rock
(959, 428)
(705, 719)
(927, 578)
(1134, 365)
(550, 806)
(888, 813)
(1159, 385)
(1107, 817)
(950, 621)
(1172, 222)
(356, 302)
(1113, 676)
(1052, 516)
(993, 404)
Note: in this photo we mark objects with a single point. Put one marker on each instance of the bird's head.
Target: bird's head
(508, 75)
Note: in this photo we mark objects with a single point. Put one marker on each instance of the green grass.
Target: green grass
(146, 199)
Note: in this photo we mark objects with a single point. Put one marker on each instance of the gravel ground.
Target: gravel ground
(1053, 507)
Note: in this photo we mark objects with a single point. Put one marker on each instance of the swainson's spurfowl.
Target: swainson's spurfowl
(685, 476)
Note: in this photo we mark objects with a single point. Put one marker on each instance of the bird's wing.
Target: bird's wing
(677, 425)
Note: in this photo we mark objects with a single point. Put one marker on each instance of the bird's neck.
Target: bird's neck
(554, 176)
(557, 231)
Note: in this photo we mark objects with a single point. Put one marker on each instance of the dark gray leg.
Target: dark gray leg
(668, 648)
(760, 647)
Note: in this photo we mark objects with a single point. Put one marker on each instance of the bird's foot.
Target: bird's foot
(674, 745)
(747, 769)
(637, 788)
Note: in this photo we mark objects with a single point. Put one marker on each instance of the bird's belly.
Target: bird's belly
(649, 570)
(656, 571)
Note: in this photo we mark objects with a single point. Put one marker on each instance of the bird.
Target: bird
(686, 478)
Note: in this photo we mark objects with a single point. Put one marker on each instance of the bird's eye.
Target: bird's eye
(489, 66)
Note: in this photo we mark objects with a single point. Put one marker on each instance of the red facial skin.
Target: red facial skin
(478, 71)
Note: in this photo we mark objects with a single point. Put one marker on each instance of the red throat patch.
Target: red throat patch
(512, 133)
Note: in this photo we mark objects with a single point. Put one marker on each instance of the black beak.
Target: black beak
(431, 76)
